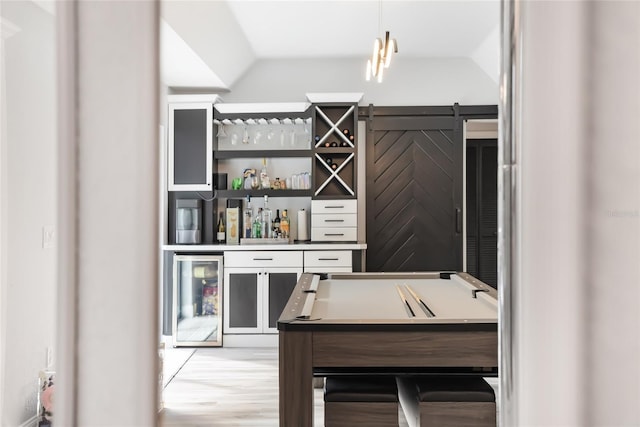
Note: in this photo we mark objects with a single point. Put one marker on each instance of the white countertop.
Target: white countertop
(307, 246)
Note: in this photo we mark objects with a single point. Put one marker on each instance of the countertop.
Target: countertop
(298, 246)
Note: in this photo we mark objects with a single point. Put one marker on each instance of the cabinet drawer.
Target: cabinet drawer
(263, 259)
(327, 258)
(334, 234)
(334, 220)
(334, 206)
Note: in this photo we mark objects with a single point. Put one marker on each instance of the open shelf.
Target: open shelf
(236, 194)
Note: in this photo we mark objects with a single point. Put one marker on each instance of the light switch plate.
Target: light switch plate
(47, 237)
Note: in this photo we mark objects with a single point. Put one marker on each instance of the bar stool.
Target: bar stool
(447, 401)
(351, 401)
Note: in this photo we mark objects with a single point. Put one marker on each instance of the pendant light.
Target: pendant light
(382, 52)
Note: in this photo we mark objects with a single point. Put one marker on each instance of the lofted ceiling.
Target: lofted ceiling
(211, 43)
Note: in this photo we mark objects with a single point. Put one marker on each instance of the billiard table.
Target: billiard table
(382, 324)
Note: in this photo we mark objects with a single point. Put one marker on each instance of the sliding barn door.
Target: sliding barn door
(414, 190)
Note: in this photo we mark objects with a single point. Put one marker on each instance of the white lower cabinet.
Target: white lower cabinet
(257, 286)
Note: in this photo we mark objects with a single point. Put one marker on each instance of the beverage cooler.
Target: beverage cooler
(197, 300)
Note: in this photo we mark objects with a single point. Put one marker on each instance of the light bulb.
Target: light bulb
(368, 75)
(389, 49)
(380, 68)
(375, 58)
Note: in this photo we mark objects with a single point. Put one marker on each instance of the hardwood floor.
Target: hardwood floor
(230, 387)
(224, 387)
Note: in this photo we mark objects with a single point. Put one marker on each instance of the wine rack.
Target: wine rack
(334, 150)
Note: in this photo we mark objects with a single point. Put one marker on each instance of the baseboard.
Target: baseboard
(31, 422)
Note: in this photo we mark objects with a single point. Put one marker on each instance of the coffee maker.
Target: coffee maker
(188, 221)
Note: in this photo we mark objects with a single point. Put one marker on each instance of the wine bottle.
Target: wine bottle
(221, 230)
(247, 219)
(277, 223)
(267, 218)
(334, 144)
(256, 231)
(334, 166)
(284, 224)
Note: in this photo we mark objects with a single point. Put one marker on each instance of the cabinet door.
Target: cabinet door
(190, 157)
(242, 301)
(279, 283)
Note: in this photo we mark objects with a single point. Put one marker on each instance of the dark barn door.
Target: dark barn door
(482, 209)
(414, 189)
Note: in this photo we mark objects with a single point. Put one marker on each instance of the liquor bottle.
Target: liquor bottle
(284, 224)
(256, 230)
(277, 224)
(264, 176)
(221, 231)
(247, 219)
(267, 218)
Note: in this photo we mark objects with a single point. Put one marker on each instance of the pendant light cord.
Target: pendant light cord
(379, 17)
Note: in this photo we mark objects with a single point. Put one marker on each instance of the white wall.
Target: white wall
(110, 235)
(406, 82)
(578, 296)
(29, 291)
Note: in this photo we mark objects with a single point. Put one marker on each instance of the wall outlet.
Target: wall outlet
(47, 237)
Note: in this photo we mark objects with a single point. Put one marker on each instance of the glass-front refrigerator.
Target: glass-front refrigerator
(197, 300)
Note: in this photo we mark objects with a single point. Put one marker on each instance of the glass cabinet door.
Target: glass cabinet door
(197, 300)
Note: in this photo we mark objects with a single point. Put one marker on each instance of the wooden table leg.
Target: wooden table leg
(296, 379)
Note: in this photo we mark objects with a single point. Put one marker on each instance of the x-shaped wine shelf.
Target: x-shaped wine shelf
(334, 126)
(334, 174)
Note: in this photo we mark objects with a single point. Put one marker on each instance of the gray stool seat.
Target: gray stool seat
(447, 401)
(360, 401)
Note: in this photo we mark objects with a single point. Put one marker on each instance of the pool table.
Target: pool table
(382, 323)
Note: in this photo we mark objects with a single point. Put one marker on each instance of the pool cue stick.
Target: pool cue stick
(421, 303)
(407, 307)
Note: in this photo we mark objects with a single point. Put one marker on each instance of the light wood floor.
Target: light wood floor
(225, 387)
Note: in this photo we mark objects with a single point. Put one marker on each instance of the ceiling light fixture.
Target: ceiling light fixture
(382, 51)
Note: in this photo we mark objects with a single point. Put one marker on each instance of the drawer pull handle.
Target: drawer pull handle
(334, 207)
(334, 234)
(263, 259)
(334, 220)
(327, 259)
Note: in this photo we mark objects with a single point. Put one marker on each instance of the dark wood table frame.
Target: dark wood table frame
(308, 347)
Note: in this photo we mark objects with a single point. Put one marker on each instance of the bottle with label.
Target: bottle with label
(267, 218)
(264, 176)
(248, 219)
(256, 231)
(221, 230)
(284, 224)
(277, 224)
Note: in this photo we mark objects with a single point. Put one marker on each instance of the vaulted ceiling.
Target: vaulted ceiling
(212, 43)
